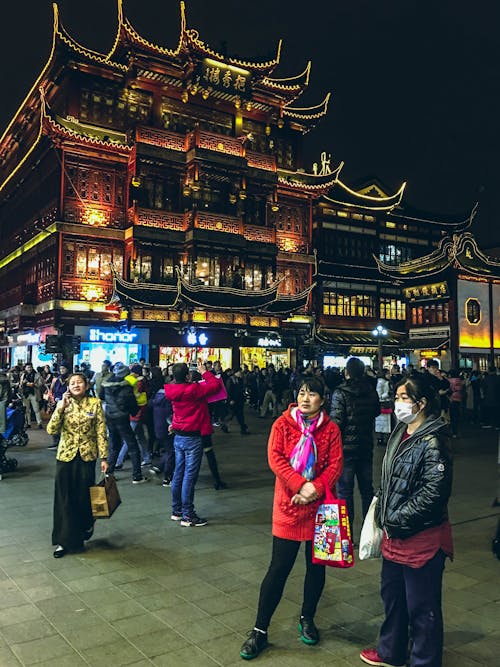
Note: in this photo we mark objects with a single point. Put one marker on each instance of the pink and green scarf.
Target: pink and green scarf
(304, 454)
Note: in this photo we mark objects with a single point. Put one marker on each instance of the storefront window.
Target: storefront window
(262, 356)
(189, 355)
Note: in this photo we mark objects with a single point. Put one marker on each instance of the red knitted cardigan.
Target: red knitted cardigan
(296, 522)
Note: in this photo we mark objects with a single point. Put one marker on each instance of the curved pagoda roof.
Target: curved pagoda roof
(342, 195)
(458, 251)
(152, 295)
(445, 223)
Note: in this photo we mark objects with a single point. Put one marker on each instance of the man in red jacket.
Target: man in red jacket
(189, 406)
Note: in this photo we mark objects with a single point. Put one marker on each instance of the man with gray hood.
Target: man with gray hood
(120, 404)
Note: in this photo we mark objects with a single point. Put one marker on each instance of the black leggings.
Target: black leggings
(282, 560)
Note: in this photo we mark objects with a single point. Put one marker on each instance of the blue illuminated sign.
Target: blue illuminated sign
(98, 336)
(194, 339)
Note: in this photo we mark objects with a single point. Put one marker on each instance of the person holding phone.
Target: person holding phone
(80, 421)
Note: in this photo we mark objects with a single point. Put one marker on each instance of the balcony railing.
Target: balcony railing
(146, 217)
(210, 141)
(161, 138)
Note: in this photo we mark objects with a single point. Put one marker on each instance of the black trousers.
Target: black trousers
(412, 603)
(72, 510)
(283, 558)
(120, 431)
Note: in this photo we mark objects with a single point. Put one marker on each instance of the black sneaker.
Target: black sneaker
(308, 631)
(255, 644)
(193, 520)
(139, 480)
(167, 482)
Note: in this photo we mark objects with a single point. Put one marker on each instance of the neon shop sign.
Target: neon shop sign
(98, 336)
(195, 339)
(269, 342)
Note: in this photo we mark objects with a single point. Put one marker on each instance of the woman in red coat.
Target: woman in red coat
(305, 453)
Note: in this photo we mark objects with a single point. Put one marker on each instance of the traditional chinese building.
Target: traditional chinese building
(356, 232)
(152, 202)
(453, 301)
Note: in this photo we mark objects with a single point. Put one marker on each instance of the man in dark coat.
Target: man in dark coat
(121, 403)
(355, 404)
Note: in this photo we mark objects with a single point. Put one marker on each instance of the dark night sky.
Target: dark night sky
(415, 83)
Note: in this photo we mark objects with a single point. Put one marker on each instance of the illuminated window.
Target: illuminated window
(348, 305)
(88, 261)
(435, 313)
(392, 309)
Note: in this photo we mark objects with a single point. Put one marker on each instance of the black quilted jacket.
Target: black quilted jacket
(416, 480)
(355, 405)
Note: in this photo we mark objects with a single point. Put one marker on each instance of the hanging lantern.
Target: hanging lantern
(185, 96)
(205, 94)
(280, 123)
(268, 130)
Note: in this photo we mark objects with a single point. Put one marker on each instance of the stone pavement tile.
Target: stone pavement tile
(26, 567)
(82, 618)
(98, 582)
(466, 599)
(158, 642)
(26, 631)
(241, 620)
(124, 575)
(223, 649)
(69, 568)
(160, 600)
(452, 658)
(47, 591)
(238, 587)
(87, 636)
(189, 656)
(119, 610)
(134, 626)
(198, 591)
(114, 653)
(219, 604)
(60, 605)
(95, 598)
(7, 658)
(73, 660)
(13, 598)
(24, 613)
(487, 649)
(36, 580)
(183, 614)
(38, 650)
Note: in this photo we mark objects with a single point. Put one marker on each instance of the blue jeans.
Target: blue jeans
(362, 469)
(188, 455)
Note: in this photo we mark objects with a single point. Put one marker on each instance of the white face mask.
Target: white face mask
(403, 412)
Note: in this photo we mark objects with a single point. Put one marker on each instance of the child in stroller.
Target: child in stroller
(15, 434)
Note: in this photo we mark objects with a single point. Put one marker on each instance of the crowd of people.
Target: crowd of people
(324, 438)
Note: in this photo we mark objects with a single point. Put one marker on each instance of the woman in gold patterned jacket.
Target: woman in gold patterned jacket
(80, 421)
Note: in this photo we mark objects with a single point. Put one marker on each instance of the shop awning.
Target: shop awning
(426, 343)
(357, 338)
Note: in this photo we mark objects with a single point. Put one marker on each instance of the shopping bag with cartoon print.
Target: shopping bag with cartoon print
(332, 543)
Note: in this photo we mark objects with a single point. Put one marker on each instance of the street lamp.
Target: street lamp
(379, 333)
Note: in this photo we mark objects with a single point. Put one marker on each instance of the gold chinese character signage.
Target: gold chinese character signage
(427, 292)
(225, 78)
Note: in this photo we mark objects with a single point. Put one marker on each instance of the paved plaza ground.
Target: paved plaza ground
(148, 592)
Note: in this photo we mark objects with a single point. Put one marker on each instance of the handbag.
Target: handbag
(104, 498)
(370, 541)
(332, 543)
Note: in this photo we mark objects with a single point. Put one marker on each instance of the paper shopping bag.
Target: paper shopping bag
(332, 544)
(104, 498)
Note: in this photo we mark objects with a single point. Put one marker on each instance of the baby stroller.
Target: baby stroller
(15, 434)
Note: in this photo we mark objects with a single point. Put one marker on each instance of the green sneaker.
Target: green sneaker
(255, 644)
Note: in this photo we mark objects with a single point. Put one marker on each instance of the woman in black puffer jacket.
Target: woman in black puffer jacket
(412, 511)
